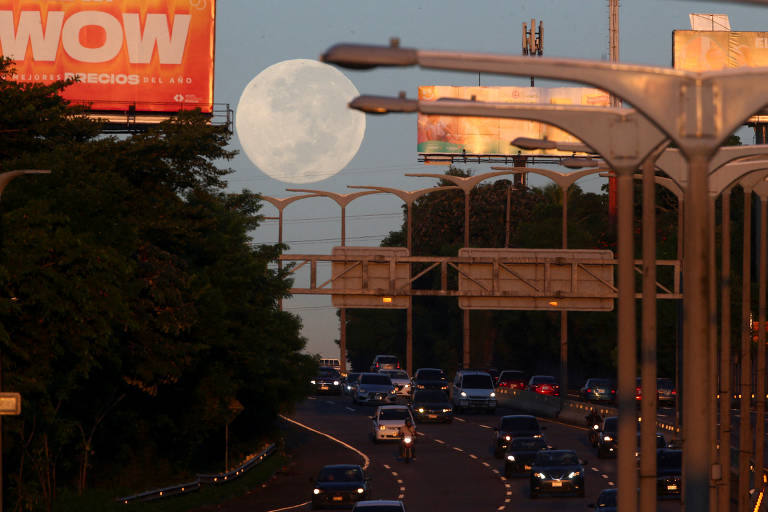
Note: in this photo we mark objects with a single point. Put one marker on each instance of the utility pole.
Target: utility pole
(613, 40)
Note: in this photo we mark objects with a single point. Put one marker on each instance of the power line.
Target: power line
(317, 219)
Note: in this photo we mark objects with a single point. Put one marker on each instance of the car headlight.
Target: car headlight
(507, 438)
(607, 438)
(316, 491)
(464, 394)
(421, 410)
(360, 490)
(537, 436)
(419, 386)
(335, 383)
(511, 458)
(446, 410)
(573, 474)
(406, 385)
(382, 427)
(392, 391)
(542, 476)
(312, 382)
(493, 394)
(596, 427)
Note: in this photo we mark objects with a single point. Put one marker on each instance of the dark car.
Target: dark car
(349, 383)
(432, 405)
(328, 380)
(430, 378)
(661, 442)
(544, 385)
(515, 425)
(606, 438)
(511, 379)
(669, 471)
(385, 362)
(598, 390)
(340, 485)
(557, 471)
(666, 392)
(493, 372)
(606, 501)
(521, 451)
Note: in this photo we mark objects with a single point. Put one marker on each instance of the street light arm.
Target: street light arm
(408, 197)
(7, 176)
(341, 199)
(465, 184)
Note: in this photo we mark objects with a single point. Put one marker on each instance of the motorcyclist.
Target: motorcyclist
(408, 429)
(594, 420)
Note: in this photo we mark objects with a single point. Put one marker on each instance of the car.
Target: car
(598, 390)
(669, 471)
(544, 385)
(327, 380)
(606, 501)
(518, 459)
(379, 506)
(340, 485)
(349, 383)
(514, 425)
(473, 390)
(385, 362)
(511, 379)
(373, 388)
(388, 421)
(430, 378)
(400, 380)
(493, 372)
(666, 391)
(431, 405)
(557, 471)
(606, 438)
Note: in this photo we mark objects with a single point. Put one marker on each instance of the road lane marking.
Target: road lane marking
(461, 420)
(439, 441)
(420, 433)
(486, 426)
(457, 449)
(507, 485)
(329, 402)
(501, 507)
(495, 471)
(611, 483)
(604, 476)
(399, 481)
(350, 409)
(509, 493)
(503, 478)
(386, 466)
(289, 508)
(367, 461)
(472, 456)
(401, 496)
(486, 464)
(595, 469)
(507, 500)
(402, 489)
(311, 398)
(394, 473)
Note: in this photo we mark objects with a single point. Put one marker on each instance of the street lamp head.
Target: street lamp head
(384, 104)
(528, 143)
(366, 56)
(578, 163)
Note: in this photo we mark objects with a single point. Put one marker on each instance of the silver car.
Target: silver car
(400, 380)
(374, 388)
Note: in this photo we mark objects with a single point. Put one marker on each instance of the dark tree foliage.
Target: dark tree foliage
(137, 319)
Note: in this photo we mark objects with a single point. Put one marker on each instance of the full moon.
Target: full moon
(294, 124)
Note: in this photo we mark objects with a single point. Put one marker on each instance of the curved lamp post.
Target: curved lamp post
(409, 197)
(342, 200)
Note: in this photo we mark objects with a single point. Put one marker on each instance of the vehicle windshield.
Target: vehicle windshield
(665, 384)
(383, 380)
(507, 375)
(397, 374)
(519, 423)
(611, 424)
(670, 459)
(527, 445)
(477, 382)
(340, 475)
(547, 458)
(600, 382)
(606, 499)
(393, 414)
(429, 395)
(328, 372)
(544, 379)
(387, 360)
(431, 374)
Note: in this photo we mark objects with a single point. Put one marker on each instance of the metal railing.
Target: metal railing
(202, 479)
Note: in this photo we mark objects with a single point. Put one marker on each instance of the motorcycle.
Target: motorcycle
(406, 448)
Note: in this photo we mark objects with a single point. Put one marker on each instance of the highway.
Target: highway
(454, 470)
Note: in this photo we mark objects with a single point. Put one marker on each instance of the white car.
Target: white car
(388, 421)
(400, 380)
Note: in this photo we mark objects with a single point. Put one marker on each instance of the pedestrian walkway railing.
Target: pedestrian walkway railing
(202, 479)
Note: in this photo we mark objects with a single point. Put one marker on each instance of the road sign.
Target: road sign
(537, 279)
(375, 272)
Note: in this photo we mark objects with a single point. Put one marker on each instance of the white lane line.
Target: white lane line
(472, 456)
(501, 507)
(503, 478)
(439, 441)
(367, 461)
(495, 471)
(507, 500)
(457, 449)
(330, 402)
(611, 483)
(507, 485)
(604, 476)
(399, 481)
(595, 469)
(509, 493)
(402, 489)
(486, 426)
(350, 409)
(311, 398)
(394, 473)
(401, 496)
(461, 420)
(386, 466)
(420, 433)
(289, 508)
(486, 464)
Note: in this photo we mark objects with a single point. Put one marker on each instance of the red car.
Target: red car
(511, 379)
(544, 385)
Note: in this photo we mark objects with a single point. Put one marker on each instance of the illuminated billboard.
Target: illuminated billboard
(486, 135)
(156, 55)
(698, 50)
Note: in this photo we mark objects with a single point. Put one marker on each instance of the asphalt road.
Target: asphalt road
(454, 469)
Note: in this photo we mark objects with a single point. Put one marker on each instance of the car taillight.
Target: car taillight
(398, 365)
(589, 390)
(674, 392)
(613, 391)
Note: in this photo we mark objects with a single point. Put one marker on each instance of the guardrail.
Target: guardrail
(202, 479)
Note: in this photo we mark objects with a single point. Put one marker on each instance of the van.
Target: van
(331, 363)
(473, 390)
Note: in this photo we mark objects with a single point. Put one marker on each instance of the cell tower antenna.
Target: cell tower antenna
(613, 36)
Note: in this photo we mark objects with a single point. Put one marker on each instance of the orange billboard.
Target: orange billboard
(154, 55)
(486, 135)
(700, 50)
